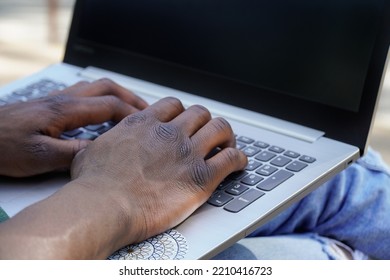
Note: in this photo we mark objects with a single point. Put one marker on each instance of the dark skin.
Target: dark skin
(34, 148)
(144, 176)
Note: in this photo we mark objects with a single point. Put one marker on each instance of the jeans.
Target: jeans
(349, 216)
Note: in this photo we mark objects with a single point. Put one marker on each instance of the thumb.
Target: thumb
(60, 153)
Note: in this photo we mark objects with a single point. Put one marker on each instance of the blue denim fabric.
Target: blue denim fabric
(306, 246)
(353, 207)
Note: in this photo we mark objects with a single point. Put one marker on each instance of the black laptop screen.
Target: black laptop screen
(315, 63)
(315, 50)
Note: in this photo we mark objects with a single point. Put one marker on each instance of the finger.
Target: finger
(106, 87)
(192, 119)
(227, 161)
(72, 90)
(166, 109)
(58, 154)
(216, 133)
(77, 112)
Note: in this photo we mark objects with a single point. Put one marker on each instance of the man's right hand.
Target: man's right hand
(155, 165)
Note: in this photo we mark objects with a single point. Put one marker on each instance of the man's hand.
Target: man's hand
(144, 176)
(29, 143)
(155, 167)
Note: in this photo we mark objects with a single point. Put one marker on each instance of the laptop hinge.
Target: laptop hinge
(216, 108)
(275, 125)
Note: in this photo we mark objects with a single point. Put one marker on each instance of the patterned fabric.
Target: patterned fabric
(3, 215)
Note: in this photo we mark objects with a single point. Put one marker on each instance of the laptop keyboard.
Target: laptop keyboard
(268, 165)
(32, 91)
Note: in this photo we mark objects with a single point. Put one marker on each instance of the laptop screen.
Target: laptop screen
(314, 55)
(316, 50)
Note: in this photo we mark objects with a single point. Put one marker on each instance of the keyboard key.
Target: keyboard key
(276, 149)
(237, 175)
(219, 199)
(252, 165)
(111, 124)
(94, 127)
(265, 156)
(72, 133)
(291, 154)
(240, 145)
(296, 166)
(12, 99)
(223, 184)
(246, 140)
(266, 170)
(307, 159)
(22, 92)
(280, 161)
(86, 136)
(251, 151)
(261, 144)
(275, 180)
(236, 188)
(251, 179)
(243, 201)
(103, 130)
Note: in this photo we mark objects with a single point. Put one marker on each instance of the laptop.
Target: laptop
(298, 81)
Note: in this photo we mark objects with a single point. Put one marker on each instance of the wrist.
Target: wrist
(107, 212)
(74, 223)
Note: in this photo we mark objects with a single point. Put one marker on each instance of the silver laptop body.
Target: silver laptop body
(298, 81)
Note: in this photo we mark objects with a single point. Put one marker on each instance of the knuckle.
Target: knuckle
(79, 84)
(201, 110)
(135, 119)
(200, 174)
(185, 150)
(39, 150)
(105, 82)
(111, 101)
(105, 85)
(235, 157)
(232, 154)
(56, 103)
(173, 101)
(220, 124)
(166, 132)
(82, 83)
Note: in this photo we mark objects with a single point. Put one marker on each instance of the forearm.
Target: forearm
(71, 224)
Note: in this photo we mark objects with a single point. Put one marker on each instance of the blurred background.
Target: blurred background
(33, 35)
